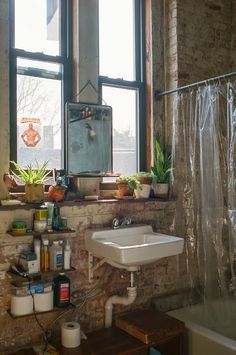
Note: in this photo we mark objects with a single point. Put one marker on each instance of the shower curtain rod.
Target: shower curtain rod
(159, 94)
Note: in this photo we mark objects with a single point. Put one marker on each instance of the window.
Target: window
(40, 62)
(122, 79)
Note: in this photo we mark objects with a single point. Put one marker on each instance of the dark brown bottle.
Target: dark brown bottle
(61, 290)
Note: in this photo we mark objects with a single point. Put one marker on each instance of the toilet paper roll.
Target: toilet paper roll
(70, 334)
(21, 305)
(43, 302)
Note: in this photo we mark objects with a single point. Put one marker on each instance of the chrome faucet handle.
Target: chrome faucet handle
(127, 221)
(115, 223)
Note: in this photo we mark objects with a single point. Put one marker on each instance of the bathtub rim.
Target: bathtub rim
(204, 331)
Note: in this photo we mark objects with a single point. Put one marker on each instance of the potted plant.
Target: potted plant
(161, 169)
(33, 178)
(144, 188)
(57, 191)
(144, 177)
(126, 185)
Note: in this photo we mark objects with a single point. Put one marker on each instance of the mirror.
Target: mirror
(89, 139)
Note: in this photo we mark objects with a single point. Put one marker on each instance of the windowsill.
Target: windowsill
(80, 202)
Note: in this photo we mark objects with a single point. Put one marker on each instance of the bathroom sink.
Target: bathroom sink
(134, 245)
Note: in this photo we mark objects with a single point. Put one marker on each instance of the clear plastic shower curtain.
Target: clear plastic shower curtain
(203, 177)
(232, 179)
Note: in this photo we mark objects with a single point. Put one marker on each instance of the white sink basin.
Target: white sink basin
(134, 245)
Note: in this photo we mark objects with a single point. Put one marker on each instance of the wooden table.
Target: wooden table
(154, 328)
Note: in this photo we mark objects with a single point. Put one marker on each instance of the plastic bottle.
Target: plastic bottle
(37, 250)
(45, 256)
(67, 256)
(61, 290)
(56, 256)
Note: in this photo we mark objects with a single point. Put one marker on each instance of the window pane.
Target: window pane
(123, 102)
(37, 26)
(38, 120)
(116, 38)
(34, 64)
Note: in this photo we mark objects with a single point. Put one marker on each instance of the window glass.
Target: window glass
(35, 64)
(37, 26)
(38, 120)
(123, 102)
(116, 39)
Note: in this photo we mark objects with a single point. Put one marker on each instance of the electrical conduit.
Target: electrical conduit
(132, 293)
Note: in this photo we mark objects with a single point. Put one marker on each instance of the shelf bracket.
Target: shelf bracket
(92, 267)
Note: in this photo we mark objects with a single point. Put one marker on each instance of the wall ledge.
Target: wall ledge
(29, 206)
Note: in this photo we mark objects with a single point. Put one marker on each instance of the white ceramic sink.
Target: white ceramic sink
(134, 245)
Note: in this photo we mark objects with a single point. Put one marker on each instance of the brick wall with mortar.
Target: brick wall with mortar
(198, 43)
(191, 41)
(160, 278)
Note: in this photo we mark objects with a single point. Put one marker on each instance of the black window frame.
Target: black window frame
(139, 83)
(64, 59)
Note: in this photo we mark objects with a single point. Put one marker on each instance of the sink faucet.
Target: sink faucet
(118, 222)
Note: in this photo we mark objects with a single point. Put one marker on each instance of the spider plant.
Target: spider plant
(31, 175)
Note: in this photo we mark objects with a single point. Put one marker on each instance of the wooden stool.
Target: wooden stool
(156, 329)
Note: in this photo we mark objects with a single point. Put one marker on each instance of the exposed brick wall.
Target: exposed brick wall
(204, 39)
(163, 277)
(191, 40)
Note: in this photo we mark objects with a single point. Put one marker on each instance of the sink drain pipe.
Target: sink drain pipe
(132, 293)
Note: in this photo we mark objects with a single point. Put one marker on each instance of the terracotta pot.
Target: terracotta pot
(162, 190)
(57, 193)
(124, 190)
(34, 193)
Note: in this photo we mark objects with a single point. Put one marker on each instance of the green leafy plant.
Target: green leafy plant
(31, 175)
(144, 178)
(143, 174)
(131, 181)
(161, 162)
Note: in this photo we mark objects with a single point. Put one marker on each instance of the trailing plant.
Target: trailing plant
(161, 162)
(31, 175)
(131, 181)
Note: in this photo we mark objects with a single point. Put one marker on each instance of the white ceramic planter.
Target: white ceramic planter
(162, 190)
(144, 192)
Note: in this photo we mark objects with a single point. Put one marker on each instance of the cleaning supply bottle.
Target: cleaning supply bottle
(45, 256)
(56, 256)
(61, 290)
(67, 256)
(37, 250)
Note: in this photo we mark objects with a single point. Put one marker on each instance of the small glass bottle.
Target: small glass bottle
(56, 218)
(45, 256)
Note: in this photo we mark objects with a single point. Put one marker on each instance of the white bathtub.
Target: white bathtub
(209, 333)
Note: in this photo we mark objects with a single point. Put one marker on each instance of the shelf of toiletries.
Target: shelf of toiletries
(19, 281)
(46, 256)
(55, 309)
(41, 297)
(67, 233)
